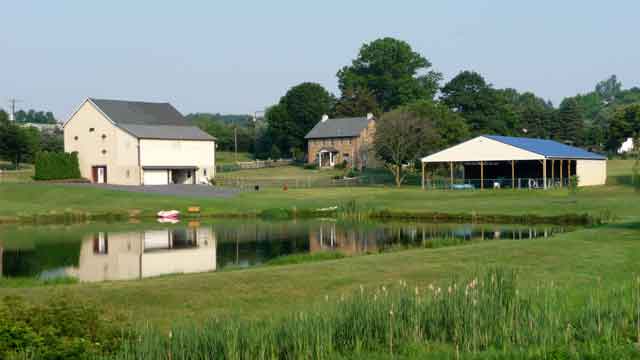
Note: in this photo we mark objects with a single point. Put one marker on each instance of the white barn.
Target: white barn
(515, 162)
(138, 143)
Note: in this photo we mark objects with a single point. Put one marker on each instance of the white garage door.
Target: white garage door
(155, 177)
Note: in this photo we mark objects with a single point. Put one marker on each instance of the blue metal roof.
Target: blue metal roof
(547, 148)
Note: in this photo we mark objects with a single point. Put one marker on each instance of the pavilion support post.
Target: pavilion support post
(544, 173)
(569, 170)
(482, 175)
(424, 165)
(561, 164)
(513, 174)
(553, 171)
(451, 172)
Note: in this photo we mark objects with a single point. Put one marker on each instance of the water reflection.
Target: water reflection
(149, 250)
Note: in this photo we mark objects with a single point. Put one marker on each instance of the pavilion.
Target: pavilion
(516, 162)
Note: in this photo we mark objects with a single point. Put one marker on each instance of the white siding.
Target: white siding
(591, 172)
(200, 154)
(117, 149)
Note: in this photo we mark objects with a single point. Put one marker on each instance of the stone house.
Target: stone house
(138, 143)
(342, 140)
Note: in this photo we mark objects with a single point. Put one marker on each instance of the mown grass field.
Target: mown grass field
(579, 260)
(229, 157)
(283, 172)
(621, 201)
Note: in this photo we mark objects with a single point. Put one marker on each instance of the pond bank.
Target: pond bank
(338, 212)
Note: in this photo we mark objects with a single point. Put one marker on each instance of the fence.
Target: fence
(519, 183)
(258, 164)
(12, 176)
(250, 183)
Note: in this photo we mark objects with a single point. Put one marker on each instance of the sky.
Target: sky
(242, 56)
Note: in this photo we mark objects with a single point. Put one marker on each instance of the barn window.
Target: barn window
(128, 173)
(75, 138)
(205, 172)
(92, 129)
(104, 136)
(104, 151)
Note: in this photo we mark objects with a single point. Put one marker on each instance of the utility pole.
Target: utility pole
(12, 114)
(235, 140)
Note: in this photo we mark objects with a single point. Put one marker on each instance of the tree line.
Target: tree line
(20, 144)
(388, 75)
(392, 81)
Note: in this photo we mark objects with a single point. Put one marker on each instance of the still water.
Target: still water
(125, 251)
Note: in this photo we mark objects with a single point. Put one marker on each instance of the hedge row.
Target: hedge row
(57, 166)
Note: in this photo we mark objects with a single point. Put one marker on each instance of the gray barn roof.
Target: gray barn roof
(150, 120)
(332, 128)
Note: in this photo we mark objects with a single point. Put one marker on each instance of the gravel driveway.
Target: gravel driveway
(174, 189)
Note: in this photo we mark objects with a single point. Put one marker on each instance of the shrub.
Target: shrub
(351, 173)
(341, 166)
(63, 328)
(57, 166)
(574, 182)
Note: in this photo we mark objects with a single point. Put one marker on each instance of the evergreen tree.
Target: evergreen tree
(572, 123)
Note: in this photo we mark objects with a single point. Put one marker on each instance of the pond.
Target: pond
(95, 252)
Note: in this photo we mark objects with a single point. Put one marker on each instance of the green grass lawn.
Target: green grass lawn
(229, 157)
(283, 172)
(576, 260)
(8, 174)
(33, 199)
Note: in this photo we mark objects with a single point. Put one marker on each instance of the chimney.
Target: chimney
(325, 117)
(369, 116)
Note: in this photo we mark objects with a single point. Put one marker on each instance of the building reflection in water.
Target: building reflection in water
(122, 255)
(142, 254)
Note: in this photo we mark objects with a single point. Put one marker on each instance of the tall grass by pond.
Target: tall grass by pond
(351, 209)
(482, 316)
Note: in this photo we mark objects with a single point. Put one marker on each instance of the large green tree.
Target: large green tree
(571, 123)
(390, 69)
(485, 109)
(624, 124)
(4, 117)
(401, 137)
(277, 132)
(18, 144)
(449, 127)
(609, 89)
(356, 102)
(534, 114)
(298, 111)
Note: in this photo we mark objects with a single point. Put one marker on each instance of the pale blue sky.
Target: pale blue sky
(241, 56)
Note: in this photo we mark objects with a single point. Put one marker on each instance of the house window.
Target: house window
(92, 129)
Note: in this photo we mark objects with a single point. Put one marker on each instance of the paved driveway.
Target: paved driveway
(174, 189)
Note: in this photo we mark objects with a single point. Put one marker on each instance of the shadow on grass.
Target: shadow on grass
(627, 226)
